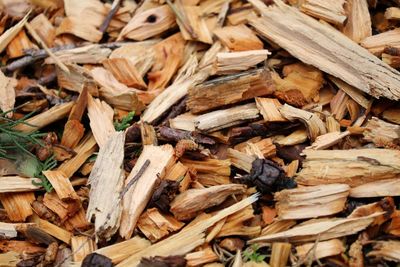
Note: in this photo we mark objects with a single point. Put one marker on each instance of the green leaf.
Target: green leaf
(251, 254)
(125, 122)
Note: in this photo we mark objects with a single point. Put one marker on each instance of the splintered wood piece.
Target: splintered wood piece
(137, 196)
(311, 201)
(280, 254)
(120, 251)
(125, 71)
(301, 83)
(7, 94)
(172, 94)
(320, 249)
(192, 23)
(191, 202)
(358, 24)
(203, 256)
(43, 27)
(392, 13)
(320, 230)
(176, 172)
(263, 148)
(12, 184)
(77, 79)
(74, 26)
(81, 247)
(107, 179)
(385, 207)
(390, 187)
(101, 120)
(21, 248)
(240, 160)
(141, 53)
(278, 226)
(188, 238)
(19, 45)
(381, 133)
(224, 118)
(234, 225)
(73, 133)
(327, 140)
(115, 93)
(297, 137)
(8, 230)
(387, 250)
(168, 56)
(155, 225)
(238, 38)
(352, 92)
(52, 229)
(83, 150)
(184, 121)
(148, 134)
(77, 221)
(211, 166)
(17, 205)
(148, 23)
(330, 11)
(229, 89)
(45, 118)
(377, 43)
(88, 54)
(61, 185)
(314, 124)
(353, 167)
(391, 56)
(269, 109)
(63, 209)
(288, 27)
(9, 35)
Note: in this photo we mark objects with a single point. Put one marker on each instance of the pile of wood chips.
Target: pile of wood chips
(199, 133)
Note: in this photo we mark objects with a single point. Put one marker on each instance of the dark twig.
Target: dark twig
(175, 111)
(114, 8)
(135, 178)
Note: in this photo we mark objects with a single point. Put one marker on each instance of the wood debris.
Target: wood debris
(199, 133)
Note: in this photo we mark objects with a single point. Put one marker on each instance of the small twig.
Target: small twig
(114, 8)
(33, 56)
(135, 178)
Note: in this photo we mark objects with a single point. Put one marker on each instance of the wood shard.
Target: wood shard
(7, 94)
(155, 225)
(331, 11)
(81, 247)
(43, 119)
(73, 25)
(353, 167)
(228, 90)
(125, 71)
(9, 35)
(288, 27)
(320, 249)
(381, 133)
(191, 202)
(228, 63)
(389, 187)
(149, 23)
(238, 38)
(101, 120)
(224, 118)
(387, 250)
(280, 254)
(311, 201)
(17, 205)
(320, 230)
(314, 124)
(301, 83)
(107, 179)
(9, 184)
(137, 197)
(201, 257)
(269, 109)
(377, 43)
(358, 24)
(61, 185)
